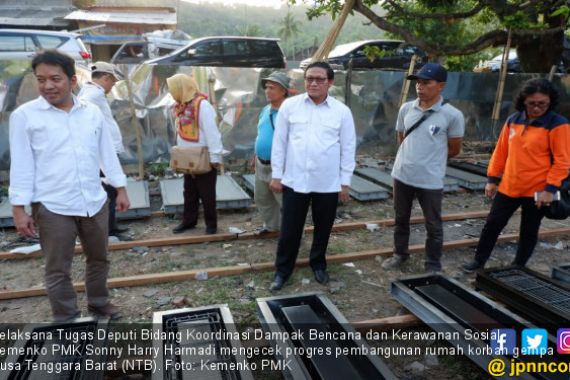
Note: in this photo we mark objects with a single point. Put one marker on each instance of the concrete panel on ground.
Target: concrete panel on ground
(228, 194)
(249, 182)
(140, 201)
(468, 180)
(384, 178)
(363, 190)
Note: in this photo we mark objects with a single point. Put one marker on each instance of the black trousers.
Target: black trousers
(430, 202)
(502, 209)
(294, 214)
(202, 187)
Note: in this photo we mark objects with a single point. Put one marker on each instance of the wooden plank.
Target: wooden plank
(197, 239)
(388, 323)
(161, 278)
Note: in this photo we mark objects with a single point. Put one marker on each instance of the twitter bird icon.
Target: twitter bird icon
(534, 342)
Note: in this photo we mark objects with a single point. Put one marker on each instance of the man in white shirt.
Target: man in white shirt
(312, 160)
(103, 77)
(57, 146)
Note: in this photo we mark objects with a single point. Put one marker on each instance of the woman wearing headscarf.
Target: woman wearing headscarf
(532, 156)
(196, 126)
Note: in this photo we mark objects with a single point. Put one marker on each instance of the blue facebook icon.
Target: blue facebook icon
(503, 341)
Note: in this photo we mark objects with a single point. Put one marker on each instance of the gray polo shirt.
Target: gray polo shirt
(422, 157)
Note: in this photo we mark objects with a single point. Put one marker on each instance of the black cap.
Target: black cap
(429, 71)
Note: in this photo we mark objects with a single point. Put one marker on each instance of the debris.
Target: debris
(335, 286)
(113, 239)
(235, 230)
(358, 272)
(250, 285)
(163, 301)
(558, 246)
(226, 246)
(259, 244)
(372, 227)
(140, 250)
(350, 265)
(431, 361)
(180, 301)
(201, 276)
(242, 264)
(150, 293)
(26, 250)
(416, 367)
(305, 281)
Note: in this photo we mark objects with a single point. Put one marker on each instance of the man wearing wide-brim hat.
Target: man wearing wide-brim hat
(268, 203)
(103, 77)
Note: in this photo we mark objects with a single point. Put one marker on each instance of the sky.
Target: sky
(260, 3)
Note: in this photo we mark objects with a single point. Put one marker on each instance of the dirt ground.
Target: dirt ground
(360, 290)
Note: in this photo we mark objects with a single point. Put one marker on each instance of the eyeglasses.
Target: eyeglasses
(541, 105)
(317, 80)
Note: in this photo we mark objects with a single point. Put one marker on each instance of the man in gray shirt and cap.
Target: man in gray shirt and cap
(429, 132)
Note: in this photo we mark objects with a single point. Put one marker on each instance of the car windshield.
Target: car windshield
(343, 49)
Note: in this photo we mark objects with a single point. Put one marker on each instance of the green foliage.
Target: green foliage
(158, 169)
(373, 52)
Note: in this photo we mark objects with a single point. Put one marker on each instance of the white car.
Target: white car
(24, 43)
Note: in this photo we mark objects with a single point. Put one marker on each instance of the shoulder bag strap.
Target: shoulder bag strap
(422, 119)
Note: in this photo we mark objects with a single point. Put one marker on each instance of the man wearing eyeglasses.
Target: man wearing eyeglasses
(312, 161)
(103, 78)
(429, 132)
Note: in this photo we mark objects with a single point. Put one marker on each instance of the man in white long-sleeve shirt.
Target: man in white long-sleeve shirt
(312, 161)
(103, 77)
(57, 146)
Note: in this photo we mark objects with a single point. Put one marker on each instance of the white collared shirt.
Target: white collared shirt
(209, 134)
(313, 145)
(95, 94)
(56, 157)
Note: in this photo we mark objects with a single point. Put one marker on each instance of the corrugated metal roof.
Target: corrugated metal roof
(36, 13)
(126, 17)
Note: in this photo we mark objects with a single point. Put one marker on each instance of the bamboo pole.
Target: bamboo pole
(406, 83)
(135, 125)
(326, 46)
(551, 73)
(501, 88)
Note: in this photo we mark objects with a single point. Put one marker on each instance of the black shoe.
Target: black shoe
(472, 266)
(211, 230)
(321, 276)
(277, 283)
(182, 227)
(118, 230)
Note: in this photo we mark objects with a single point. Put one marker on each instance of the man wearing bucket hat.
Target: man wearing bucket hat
(268, 203)
(103, 77)
(429, 132)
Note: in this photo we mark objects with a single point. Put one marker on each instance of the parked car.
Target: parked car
(513, 63)
(394, 55)
(132, 52)
(24, 43)
(227, 51)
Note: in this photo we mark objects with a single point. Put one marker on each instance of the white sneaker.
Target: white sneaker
(393, 262)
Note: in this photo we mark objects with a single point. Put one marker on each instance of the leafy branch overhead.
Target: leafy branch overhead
(461, 27)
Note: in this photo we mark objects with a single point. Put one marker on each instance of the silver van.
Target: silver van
(18, 44)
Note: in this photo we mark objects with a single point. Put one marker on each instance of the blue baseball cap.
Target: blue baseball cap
(429, 71)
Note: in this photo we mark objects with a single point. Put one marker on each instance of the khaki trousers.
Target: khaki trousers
(57, 239)
(267, 202)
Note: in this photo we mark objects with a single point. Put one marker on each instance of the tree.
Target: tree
(289, 28)
(249, 30)
(447, 27)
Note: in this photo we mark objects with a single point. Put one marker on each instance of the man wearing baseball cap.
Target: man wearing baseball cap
(429, 132)
(268, 203)
(103, 77)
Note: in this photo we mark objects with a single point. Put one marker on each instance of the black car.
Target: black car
(374, 54)
(227, 51)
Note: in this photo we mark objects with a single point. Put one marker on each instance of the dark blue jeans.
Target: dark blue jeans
(430, 202)
(501, 211)
(294, 214)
